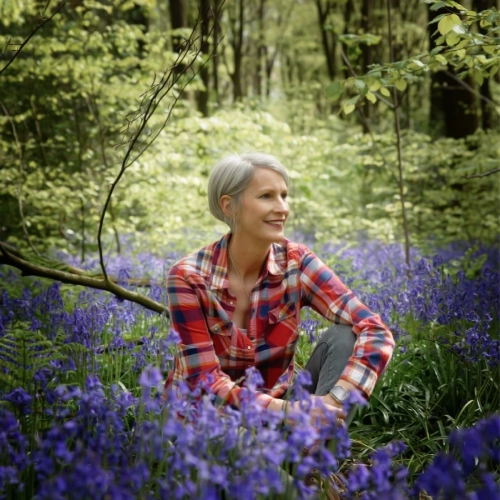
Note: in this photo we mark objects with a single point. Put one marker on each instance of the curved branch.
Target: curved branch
(30, 269)
(154, 96)
(41, 22)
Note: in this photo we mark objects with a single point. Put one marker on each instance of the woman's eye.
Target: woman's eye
(266, 195)
(284, 196)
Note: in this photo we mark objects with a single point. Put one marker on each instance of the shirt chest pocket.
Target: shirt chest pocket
(219, 326)
(282, 325)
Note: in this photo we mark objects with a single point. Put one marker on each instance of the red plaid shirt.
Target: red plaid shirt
(201, 307)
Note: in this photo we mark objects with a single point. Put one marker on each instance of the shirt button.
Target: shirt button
(216, 328)
(249, 347)
(231, 302)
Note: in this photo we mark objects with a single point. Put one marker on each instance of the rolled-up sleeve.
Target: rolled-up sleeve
(326, 294)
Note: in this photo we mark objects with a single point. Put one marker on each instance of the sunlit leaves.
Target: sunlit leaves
(401, 84)
(348, 106)
(459, 46)
(447, 22)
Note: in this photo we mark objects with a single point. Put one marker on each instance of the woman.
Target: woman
(236, 303)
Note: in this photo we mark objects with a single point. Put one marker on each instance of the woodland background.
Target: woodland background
(69, 97)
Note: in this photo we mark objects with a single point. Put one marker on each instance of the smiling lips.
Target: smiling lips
(278, 223)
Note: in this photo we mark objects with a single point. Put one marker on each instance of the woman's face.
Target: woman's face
(264, 208)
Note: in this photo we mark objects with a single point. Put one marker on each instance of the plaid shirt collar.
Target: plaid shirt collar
(220, 263)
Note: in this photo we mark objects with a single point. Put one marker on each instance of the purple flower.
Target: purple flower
(20, 399)
(151, 378)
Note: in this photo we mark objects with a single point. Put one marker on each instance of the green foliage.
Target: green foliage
(425, 394)
(25, 351)
(460, 47)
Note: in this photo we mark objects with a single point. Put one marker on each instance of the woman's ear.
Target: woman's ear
(225, 205)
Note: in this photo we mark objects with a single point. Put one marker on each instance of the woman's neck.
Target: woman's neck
(247, 256)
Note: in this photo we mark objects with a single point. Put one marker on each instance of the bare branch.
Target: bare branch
(485, 174)
(30, 269)
(471, 89)
(41, 22)
(154, 96)
(397, 128)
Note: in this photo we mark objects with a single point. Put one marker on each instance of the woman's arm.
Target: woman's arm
(327, 295)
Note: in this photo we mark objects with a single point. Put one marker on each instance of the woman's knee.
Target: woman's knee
(340, 338)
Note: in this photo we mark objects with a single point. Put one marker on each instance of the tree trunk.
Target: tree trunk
(202, 95)
(215, 59)
(328, 40)
(178, 19)
(366, 55)
(347, 18)
(453, 107)
(238, 53)
(486, 111)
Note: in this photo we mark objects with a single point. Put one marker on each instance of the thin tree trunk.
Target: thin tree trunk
(178, 19)
(262, 49)
(238, 54)
(215, 59)
(329, 46)
(399, 148)
(347, 18)
(203, 95)
(366, 53)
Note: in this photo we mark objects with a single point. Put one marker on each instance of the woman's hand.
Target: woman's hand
(322, 410)
(330, 402)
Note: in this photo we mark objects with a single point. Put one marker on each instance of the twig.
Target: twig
(471, 90)
(485, 174)
(41, 22)
(399, 148)
(168, 81)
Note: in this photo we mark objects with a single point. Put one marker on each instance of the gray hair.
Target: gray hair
(232, 175)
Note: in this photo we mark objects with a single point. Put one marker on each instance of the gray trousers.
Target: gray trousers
(328, 360)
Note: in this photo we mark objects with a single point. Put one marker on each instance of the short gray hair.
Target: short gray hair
(232, 175)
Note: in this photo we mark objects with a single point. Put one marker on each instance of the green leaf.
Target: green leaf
(478, 76)
(353, 100)
(385, 92)
(446, 24)
(452, 39)
(360, 86)
(401, 84)
(441, 59)
(371, 97)
(436, 50)
(348, 108)
(437, 5)
(334, 90)
(489, 49)
(437, 18)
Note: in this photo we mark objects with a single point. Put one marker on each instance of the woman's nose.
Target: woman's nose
(282, 206)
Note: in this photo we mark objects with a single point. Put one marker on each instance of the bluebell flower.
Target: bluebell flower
(151, 378)
(20, 399)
